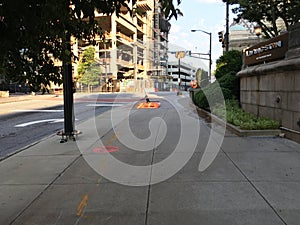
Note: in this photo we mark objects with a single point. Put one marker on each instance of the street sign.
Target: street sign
(267, 51)
(181, 54)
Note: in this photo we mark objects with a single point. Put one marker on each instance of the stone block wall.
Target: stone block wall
(273, 89)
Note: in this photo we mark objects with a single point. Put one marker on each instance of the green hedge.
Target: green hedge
(210, 92)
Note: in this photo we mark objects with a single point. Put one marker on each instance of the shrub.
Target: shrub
(210, 92)
(232, 83)
(242, 119)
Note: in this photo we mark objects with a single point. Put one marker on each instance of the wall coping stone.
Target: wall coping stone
(278, 66)
(290, 63)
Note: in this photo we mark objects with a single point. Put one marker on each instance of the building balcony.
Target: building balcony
(144, 5)
(123, 38)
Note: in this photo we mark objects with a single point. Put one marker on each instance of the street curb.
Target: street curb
(26, 147)
(236, 130)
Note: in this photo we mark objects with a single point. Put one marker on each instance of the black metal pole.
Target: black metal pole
(179, 73)
(68, 90)
(210, 62)
(227, 27)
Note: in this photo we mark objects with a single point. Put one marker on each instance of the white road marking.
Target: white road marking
(40, 121)
(106, 104)
(39, 110)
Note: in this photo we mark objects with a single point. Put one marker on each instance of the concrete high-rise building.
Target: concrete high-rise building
(133, 48)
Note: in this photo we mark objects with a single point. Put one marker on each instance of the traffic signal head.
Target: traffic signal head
(221, 36)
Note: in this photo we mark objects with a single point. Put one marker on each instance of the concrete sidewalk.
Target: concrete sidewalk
(251, 181)
(16, 102)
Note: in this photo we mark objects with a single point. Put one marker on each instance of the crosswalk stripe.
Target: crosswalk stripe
(106, 104)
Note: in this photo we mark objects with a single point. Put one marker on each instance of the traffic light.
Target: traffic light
(221, 36)
(222, 39)
(223, 43)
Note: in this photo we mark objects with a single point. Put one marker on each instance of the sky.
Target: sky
(207, 15)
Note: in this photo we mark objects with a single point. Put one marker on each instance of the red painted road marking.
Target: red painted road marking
(106, 149)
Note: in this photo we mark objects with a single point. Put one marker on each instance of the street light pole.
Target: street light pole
(210, 62)
(227, 27)
(209, 58)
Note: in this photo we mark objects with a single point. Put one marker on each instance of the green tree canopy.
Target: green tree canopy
(231, 62)
(91, 76)
(86, 61)
(202, 78)
(33, 33)
(267, 12)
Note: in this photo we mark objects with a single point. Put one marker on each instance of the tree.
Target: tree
(230, 62)
(202, 78)
(91, 76)
(86, 61)
(34, 34)
(227, 67)
(267, 12)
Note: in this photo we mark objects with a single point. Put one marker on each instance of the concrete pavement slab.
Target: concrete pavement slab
(102, 203)
(33, 169)
(208, 203)
(128, 169)
(221, 169)
(257, 144)
(51, 146)
(268, 166)
(283, 144)
(80, 172)
(208, 217)
(284, 198)
(14, 199)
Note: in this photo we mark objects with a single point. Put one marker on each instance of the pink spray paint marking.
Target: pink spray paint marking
(106, 149)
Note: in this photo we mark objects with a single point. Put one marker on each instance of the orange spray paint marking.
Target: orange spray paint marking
(148, 105)
(82, 205)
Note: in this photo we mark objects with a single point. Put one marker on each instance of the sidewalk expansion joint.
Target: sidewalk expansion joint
(151, 163)
(255, 188)
(42, 192)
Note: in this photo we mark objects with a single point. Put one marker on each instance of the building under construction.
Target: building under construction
(132, 54)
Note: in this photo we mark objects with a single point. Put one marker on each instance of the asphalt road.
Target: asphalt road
(24, 127)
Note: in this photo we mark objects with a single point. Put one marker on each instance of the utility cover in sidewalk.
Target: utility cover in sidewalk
(148, 105)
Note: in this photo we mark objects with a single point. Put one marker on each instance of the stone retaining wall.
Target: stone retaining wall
(273, 89)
